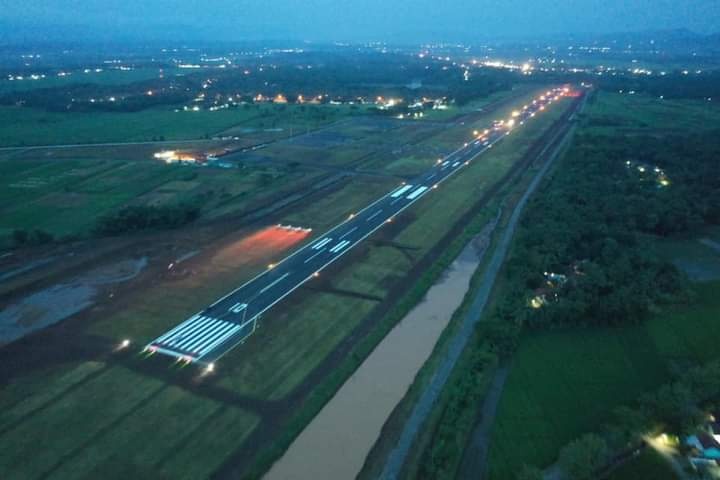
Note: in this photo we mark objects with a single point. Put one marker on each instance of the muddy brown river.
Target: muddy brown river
(336, 442)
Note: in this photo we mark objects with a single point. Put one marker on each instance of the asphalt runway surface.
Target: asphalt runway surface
(209, 334)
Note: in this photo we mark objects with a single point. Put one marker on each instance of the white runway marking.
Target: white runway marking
(314, 255)
(373, 215)
(416, 193)
(322, 243)
(348, 233)
(400, 191)
(268, 287)
(339, 246)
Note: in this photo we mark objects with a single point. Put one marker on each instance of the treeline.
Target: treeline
(590, 223)
(22, 238)
(678, 407)
(144, 217)
(343, 77)
(673, 85)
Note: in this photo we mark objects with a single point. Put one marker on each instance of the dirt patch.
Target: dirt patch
(53, 304)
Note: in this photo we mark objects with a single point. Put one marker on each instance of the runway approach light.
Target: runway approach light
(210, 368)
(271, 266)
(316, 274)
(476, 133)
(351, 216)
(125, 343)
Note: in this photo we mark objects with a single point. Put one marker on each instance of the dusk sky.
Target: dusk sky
(327, 20)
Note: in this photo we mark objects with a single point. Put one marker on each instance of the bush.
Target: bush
(580, 459)
(143, 217)
(33, 238)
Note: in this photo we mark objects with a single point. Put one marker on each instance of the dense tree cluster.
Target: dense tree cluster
(143, 217)
(326, 75)
(679, 406)
(21, 237)
(674, 85)
(592, 221)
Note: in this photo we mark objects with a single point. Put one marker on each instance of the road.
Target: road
(209, 334)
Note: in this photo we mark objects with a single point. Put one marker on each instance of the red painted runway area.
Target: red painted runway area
(261, 246)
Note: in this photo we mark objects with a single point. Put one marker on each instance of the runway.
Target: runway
(214, 331)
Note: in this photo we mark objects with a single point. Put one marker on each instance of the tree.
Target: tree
(676, 405)
(529, 472)
(580, 459)
(20, 236)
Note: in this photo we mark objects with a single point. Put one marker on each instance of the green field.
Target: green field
(21, 126)
(649, 464)
(268, 357)
(613, 113)
(65, 197)
(471, 107)
(197, 434)
(563, 384)
(293, 339)
(105, 77)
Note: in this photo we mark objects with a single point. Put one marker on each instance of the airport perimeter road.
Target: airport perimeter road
(211, 333)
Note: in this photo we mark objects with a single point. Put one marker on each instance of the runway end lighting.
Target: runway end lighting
(210, 368)
(435, 186)
(316, 274)
(476, 133)
(351, 216)
(389, 220)
(271, 266)
(125, 343)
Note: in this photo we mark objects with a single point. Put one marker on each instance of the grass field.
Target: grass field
(20, 126)
(565, 383)
(268, 357)
(106, 77)
(649, 464)
(473, 106)
(190, 434)
(612, 113)
(65, 197)
(104, 441)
